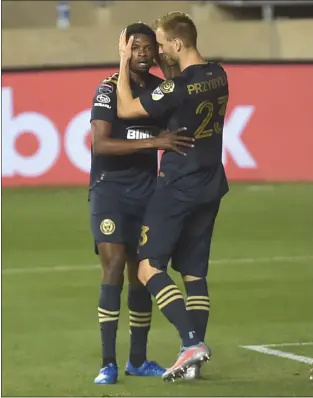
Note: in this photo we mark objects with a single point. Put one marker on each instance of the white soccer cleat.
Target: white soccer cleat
(192, 373)
(194, 355)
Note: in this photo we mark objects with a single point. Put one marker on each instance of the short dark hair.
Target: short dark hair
(178, 25)
(140, 28)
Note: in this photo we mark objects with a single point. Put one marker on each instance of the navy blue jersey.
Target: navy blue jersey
(134, 172)
(197, 99)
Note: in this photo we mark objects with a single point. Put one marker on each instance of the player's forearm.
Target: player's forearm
(124, 95)
(113, 147)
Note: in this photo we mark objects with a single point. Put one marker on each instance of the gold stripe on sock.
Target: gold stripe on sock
(202, 302)
(192, 298)
(164, 290)
(170, 300)
(167, 295)
(197, 307)
(139, 325)
(109, 319)
(139, 313)
(100, 315)
(136, 319)
(106, 312)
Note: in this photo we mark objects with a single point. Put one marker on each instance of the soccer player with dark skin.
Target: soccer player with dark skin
(180, 217)
(122, 179)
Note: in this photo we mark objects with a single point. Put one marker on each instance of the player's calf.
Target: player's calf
(112, 261)
(169, 300)
(198, 307)
(108, 313)
(197, 303)
(140, 312)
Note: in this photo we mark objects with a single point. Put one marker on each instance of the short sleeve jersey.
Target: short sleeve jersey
(136, 171)
(197, 99)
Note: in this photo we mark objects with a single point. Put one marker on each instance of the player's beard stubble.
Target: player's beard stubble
(170, 61)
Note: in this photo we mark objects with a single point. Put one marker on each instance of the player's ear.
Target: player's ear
(178, 45)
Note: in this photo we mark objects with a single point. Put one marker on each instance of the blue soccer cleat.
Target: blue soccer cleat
(107, 375)
(146, 369)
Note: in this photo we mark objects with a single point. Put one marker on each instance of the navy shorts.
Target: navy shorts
(178, 229)
(115, 219)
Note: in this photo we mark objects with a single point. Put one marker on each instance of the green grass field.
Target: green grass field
(261, 285)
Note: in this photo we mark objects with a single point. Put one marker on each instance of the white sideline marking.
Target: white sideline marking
(48, 269)
(89, 267)
(278, 353)
(288, 344)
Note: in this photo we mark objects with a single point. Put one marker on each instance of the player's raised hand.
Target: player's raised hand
(125, 48)
(172, 140)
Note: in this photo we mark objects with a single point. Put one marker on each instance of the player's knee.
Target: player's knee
(114, 270)
(112, 262)
(146, 271)
(190, 278)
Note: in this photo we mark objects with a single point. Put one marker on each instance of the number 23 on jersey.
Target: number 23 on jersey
(206, 108)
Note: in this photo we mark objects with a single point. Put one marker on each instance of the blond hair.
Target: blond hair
(177, 25)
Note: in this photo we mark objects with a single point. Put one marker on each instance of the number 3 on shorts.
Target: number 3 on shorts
(144, 237)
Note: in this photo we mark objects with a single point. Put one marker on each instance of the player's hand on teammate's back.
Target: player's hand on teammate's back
(172, 140)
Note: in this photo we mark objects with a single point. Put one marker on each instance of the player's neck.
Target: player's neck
(189, 58)
(139, 78)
